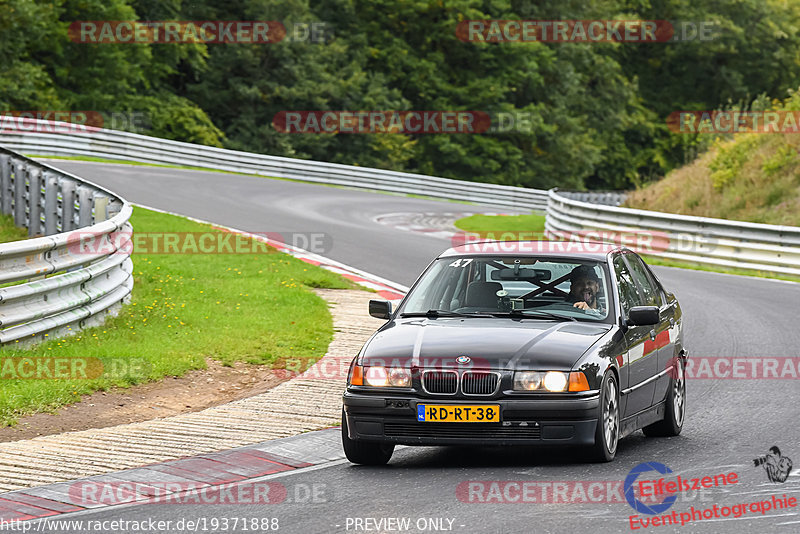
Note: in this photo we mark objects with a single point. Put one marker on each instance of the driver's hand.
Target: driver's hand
(582, 305)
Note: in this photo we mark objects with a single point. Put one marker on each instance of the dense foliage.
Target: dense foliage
(597, 111)
(746, 177)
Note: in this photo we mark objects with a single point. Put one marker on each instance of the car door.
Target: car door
(640, 360)
(664, 334)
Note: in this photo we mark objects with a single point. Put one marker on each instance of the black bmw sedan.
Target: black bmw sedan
(520, 343)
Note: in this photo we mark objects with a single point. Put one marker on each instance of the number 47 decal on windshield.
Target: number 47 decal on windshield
(461, 262)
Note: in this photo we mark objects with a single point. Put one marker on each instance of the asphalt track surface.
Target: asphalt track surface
(729, 421)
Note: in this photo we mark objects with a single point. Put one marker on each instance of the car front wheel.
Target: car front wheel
(364, 452)
(607, 434)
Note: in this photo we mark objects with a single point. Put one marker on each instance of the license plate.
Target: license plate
(438, 413)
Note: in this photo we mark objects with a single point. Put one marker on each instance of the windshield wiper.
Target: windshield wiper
(536, 314)
(432, 314)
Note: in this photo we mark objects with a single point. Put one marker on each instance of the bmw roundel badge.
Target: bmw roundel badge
(463, 359)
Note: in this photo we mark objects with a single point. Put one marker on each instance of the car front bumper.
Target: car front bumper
(524, 421)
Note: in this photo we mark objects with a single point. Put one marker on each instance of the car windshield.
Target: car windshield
(540, 288)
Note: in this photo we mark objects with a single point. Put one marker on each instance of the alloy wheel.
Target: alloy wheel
(611, 416)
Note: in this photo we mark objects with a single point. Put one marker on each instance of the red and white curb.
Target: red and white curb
(237, 476)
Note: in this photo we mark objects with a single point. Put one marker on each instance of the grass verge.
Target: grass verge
(256, 308)
(494, 226)
(9, 232)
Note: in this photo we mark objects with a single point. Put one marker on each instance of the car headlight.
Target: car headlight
(527, 380)
(399, 377)
(380, 376)
(554, 381)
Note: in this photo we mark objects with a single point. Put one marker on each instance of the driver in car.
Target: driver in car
(584, 286)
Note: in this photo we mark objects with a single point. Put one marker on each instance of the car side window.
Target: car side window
(628, 296)
(650, 292)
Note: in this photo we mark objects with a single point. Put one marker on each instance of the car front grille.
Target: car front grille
(460, 431)
(440, 382)
(476, 383)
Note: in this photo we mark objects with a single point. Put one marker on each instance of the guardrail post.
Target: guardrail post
(6, 193)
(67, 205)
(84, 206)
(20, 176)
(34, 200)
(50, 221)
(113, 208)
(100, 211)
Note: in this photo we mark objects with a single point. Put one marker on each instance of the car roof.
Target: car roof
(562, 249)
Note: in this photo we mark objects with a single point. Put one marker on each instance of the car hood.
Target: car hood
(492, 343)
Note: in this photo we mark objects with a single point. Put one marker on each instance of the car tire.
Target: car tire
(364, 452)
(675, 410)
(606, 437)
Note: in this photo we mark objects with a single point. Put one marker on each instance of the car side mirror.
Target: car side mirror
(643, 316)
(380, 309)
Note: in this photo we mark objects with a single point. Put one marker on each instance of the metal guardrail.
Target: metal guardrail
(53, 282)
(719, 242)
(696, 239)
(607, 198)
(113, 144)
